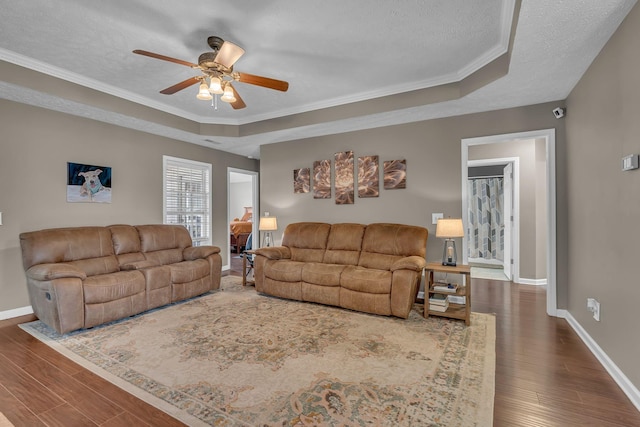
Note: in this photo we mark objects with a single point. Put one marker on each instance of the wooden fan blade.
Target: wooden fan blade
(182, 85)
(262, 81)
(239, 102)
(166, 58)
(228, 54)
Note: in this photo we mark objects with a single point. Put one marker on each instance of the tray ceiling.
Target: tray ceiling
(350, 65)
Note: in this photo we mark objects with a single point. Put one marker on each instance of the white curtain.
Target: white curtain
(486, 223)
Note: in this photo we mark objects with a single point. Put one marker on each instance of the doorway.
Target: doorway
(492, 216)
(242, 206)
(547, 136)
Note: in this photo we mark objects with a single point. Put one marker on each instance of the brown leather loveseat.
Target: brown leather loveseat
(373, 268)
(85, 276)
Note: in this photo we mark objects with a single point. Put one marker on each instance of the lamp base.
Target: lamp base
(449, 256)
(268, 239)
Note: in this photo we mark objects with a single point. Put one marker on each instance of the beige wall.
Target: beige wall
(35, 147)
(432, 151)
(603, 249)
(525, 151)
(240, 197)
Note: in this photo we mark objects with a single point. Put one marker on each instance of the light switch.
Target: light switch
(630, 162)
(0, 218)
(435, 217)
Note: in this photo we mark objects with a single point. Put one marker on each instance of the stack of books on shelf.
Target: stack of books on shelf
(452, 289)
(439, 302)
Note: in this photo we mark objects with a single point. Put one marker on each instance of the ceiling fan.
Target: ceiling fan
(217, 73)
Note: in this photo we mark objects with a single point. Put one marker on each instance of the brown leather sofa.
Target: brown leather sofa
(85, 276)
(373, 268)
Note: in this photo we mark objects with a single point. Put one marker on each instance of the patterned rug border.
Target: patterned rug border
(143, 395)
(488, 387)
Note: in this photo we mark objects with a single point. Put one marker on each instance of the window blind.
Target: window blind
(187, 197)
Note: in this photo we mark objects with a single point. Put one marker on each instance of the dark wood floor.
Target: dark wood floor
(545, 375)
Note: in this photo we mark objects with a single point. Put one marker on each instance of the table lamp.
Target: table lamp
(268, 224)
(448, 229)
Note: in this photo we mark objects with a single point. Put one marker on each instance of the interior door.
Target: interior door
(508, 219)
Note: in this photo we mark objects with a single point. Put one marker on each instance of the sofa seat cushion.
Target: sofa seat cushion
(367, 280)
(188, 271)
(284, 270)
(111, 287)
(322, 274)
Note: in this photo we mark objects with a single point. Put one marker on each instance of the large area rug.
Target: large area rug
(237, 358)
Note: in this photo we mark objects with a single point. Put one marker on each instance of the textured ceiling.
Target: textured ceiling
(350, 64)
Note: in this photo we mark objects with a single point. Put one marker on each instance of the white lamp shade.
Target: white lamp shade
(268, 223)
(203, 93)
(228, 96)
(216, 86)
(449, 228)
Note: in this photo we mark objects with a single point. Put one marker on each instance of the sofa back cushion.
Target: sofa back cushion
(126, 243)
(344, 243)
(88, 248)
(306, 240)
(383, 244)
(163, 243)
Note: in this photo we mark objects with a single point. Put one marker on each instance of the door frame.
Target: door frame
(254, 202)
(515, 230)
(549, 136)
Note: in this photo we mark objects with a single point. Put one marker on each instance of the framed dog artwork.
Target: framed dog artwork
(88, 183)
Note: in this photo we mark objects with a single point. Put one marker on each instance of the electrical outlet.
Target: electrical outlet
(594, 307)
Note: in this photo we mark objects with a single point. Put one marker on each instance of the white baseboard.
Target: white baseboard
(535, 282)
(16, 312)
(618, 376)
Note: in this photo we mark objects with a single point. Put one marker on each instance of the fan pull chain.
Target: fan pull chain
(214, 102)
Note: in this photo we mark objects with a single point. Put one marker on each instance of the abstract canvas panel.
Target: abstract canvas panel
(322, 179)
(344, 178)
(368, 176)
(301, 180)
(395, 174)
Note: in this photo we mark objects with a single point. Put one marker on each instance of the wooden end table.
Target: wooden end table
(455, 311)
(244, 268)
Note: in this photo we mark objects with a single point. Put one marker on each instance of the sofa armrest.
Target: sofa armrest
(274, 252)
(43, 272)
(414, 262)
(199, 252)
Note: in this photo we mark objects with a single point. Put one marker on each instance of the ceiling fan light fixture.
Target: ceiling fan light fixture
(216, 86)
(203, 93)
(228, 95)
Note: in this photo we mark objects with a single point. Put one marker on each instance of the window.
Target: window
(187, 197)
